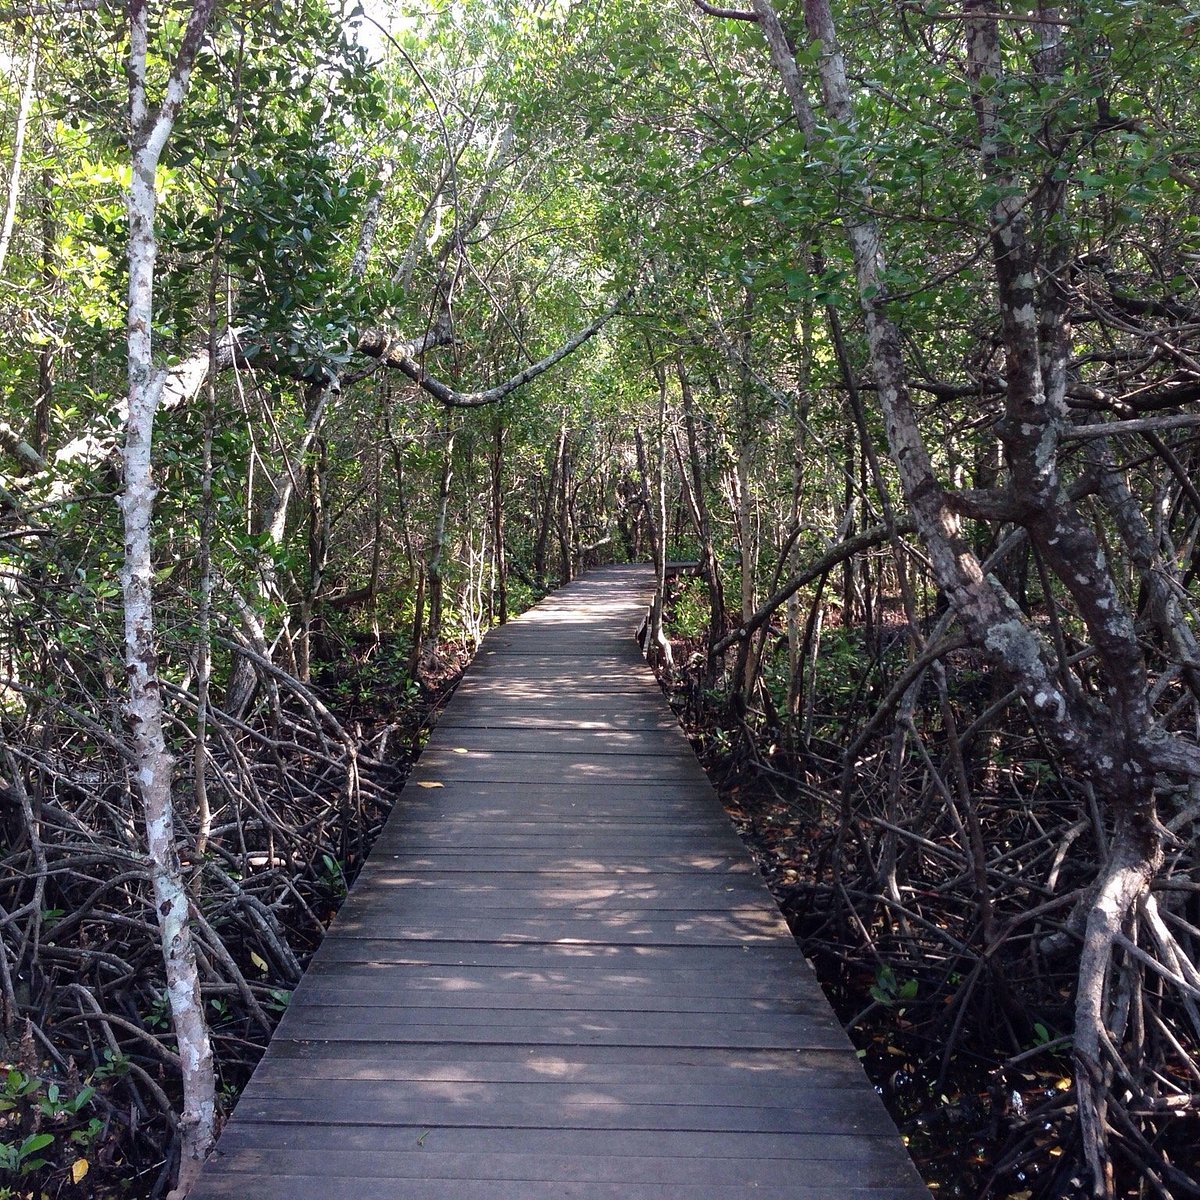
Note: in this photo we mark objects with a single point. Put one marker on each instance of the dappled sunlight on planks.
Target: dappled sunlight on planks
(559, 976)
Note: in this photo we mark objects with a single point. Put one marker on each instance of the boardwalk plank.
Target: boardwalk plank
(445, 890)
(559, 975)
(358, 1103)
(562, 1028)
(617, 1145)
(629, 928)
(418, 1001)
(497, 981)
(839, 1102)
(385, 1164)
(564, 740)
(532, 767)
(289, 1187)
(397, 1012)
(522, 860)
(678, 1067)
(549, 714)
(336, 949)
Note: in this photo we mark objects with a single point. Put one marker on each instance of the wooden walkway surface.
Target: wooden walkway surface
(559, 974)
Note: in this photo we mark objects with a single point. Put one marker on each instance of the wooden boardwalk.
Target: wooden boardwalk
(559, 974)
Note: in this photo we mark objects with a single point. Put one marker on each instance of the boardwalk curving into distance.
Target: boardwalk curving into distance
(559, 974)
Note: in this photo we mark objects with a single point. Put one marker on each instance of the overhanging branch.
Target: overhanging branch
(401, 356)
(732, 14)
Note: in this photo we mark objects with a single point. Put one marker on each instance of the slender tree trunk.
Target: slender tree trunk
(149, 135)
(417, 635)
(315, 400)
(204, 621)
(45, 392)
(799, 415)
(18, 159)
(566, 515)
(543, 538)
(655, 644)
(745, 524)
(709, 567)
(416, 568)
(499, 556)
(435, 572)
(849, 608)
(312, 642)
(658, 635)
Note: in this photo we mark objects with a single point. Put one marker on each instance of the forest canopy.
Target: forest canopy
(333, 337)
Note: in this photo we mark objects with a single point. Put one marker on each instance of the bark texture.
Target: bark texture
(149, 132)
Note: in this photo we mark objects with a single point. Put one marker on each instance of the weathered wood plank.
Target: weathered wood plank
(548, 714)
(605, 850)
(526, 858)
(531, 1103)
(677, 1067)
(532, 767)
(732, 961)
(585, 826)
(625, 928)
(444, 890)
(289, 1187)
(386, 1164)
(563, 741)
(429, 989)
(363, 1023)
(539, 800)
(680, 821)
(370, 1104)
(420, 1002)
(666, 985)
(701, 1086)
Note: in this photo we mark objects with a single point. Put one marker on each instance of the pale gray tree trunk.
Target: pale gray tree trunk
(436, 567)
(18, 158)
(149, 132)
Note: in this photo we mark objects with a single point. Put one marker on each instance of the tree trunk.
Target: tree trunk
(566, 515)
(145, 703)
(435, 572)
(417, 635)
(24, 108)
(45, 392)
(313, 644)
(709, 567)
(793, 701)
(543, 538)
(658, 636)
(655, 644)
(500, 558)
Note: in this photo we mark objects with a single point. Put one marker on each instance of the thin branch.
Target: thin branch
(732, 14)
(825, 562)
(1137, 425)
(50, 10)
